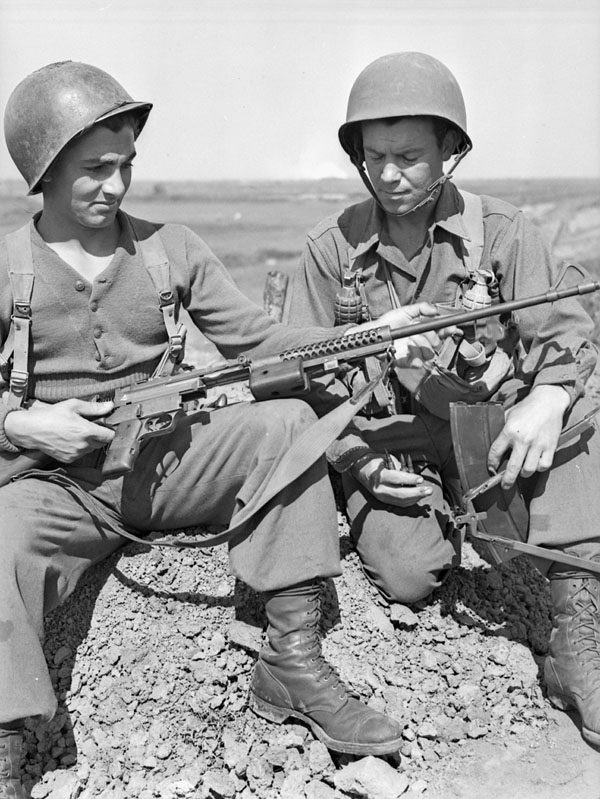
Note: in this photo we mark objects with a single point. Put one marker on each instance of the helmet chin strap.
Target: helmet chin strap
(433, 190)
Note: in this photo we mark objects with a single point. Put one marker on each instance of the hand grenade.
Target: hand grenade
(480, 290)
(350, 306)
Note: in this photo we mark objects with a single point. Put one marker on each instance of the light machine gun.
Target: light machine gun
(153, 407)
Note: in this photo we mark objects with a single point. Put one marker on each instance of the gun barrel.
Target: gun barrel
(462, 318)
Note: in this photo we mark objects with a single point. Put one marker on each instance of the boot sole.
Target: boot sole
(278, 715)
(565, 703)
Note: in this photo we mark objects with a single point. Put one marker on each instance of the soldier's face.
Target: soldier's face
(402, 159)
(86, 185)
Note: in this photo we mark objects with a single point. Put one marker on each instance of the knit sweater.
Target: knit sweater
(92, 338)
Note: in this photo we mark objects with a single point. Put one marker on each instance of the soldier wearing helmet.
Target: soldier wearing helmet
(418, 237)
(90, 306)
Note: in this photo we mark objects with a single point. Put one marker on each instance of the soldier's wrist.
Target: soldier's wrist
(5, 443)
(347, 460)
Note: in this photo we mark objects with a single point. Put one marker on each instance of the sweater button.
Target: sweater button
(80, 285)
(93, 305)
(97, 332)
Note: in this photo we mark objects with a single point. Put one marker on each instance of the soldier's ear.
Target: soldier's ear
(450, 144)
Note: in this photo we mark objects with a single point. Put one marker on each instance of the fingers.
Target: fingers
(419, 309)
(514, 466)
(526, 458)
(451, 330)
(392, 481)
(404, 497)
(394, 477)
(402, 488)
(496, 452)
(416, 350)
(90, 410)
(405, 315)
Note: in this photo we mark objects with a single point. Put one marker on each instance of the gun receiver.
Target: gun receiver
(153, 407)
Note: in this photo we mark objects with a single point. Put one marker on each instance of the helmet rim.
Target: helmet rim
(53, 106)
(405, 84)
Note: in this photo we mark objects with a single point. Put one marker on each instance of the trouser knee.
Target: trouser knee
(406, 553)
(281, 419)
(405, 583)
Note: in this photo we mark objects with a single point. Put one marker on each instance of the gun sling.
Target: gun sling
(303, 453)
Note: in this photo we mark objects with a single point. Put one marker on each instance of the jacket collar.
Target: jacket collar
(372, 231)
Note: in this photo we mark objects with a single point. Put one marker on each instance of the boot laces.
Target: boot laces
(5, 765)
(586, 621)
(325, 671)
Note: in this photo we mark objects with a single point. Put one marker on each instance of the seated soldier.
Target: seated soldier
(92, 281)
(419, 238)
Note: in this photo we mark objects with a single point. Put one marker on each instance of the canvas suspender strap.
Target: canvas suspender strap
(20, 272)
(473, 219)
(157, 263)
(21, 275)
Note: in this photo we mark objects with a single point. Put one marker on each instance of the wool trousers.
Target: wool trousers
(408, 552)
(203, 473)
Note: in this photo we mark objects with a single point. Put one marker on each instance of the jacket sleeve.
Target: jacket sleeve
(315, 284)
(234, 323)
(555, 337)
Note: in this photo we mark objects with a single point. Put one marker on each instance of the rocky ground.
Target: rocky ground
(151, 660)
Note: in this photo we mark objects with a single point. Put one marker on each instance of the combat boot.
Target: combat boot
(293, 679)
(11, 787)
(572, 669)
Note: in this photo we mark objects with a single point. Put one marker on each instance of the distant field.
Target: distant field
(256, 227)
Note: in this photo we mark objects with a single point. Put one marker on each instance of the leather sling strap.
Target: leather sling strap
(304, 453)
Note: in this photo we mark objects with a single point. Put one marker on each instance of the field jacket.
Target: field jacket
(555, 338)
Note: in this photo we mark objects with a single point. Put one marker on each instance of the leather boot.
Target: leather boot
(11, 743)
(572, 669)
(292, 679)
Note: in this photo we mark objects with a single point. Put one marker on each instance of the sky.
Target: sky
(256, 89)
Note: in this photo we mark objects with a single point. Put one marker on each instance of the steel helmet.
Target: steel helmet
(53, 105)
(398, 85)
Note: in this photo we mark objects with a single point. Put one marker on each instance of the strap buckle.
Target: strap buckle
(165, 298)
(21, 310)
(18, 382)
(177, 344)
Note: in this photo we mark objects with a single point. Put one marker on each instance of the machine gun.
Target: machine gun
(153, 407)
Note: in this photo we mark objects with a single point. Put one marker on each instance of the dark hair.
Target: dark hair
(117, 122)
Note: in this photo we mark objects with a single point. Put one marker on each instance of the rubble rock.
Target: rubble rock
(371, 778)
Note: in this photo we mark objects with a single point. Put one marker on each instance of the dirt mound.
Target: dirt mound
(151, 660)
